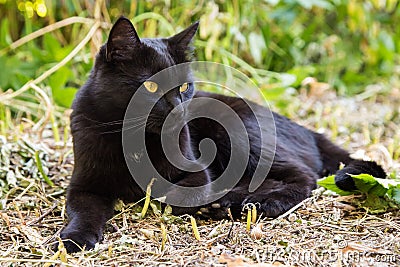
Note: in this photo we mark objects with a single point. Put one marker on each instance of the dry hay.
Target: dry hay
(323, 230)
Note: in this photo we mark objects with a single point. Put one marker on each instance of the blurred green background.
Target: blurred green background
(347, 44)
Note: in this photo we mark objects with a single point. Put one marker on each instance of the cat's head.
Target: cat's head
(126, 62)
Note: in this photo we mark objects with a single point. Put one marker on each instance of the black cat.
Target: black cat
(101, 175)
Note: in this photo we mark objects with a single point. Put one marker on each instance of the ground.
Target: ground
(323, 230)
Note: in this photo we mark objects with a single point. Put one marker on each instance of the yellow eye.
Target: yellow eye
(150, 86)
(183, 87)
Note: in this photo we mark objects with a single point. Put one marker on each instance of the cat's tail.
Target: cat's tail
(343, 179)
(333, 156)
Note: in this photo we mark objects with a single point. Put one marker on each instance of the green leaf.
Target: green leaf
(14, 72)
(375, 204)
(52, 49)
(273, 93)
(376, 186)
(52, 46)
(58, 80)
(365, 182)
(301, 72)
(380, 193)
(388, 183)
(5, 38)
(329, 183)
(62, 95)
(396, 194)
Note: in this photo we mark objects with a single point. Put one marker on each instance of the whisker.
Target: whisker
(140, 124)
(138, 118)
(139, 128)
(127, 122)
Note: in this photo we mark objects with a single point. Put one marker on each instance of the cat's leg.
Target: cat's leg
(286, 185)
(331, 155)
(87, 215)
(218, 209)
(184, 194)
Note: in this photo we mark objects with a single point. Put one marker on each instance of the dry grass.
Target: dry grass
(323, 230)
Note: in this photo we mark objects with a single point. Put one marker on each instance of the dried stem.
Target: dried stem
(47, 29)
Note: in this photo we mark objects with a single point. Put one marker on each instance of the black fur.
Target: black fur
(101, 176)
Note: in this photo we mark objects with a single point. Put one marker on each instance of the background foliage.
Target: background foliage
(348, 44)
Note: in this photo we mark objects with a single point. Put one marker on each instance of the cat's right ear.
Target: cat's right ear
(122, 40)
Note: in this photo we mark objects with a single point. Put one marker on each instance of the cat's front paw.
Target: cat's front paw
(214, 211)
(268, 206)
(76, 240)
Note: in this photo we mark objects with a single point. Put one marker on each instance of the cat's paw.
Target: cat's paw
(75, 240)
(214, 211)
(268, 206)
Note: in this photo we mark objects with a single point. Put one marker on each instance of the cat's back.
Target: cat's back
(293, 141)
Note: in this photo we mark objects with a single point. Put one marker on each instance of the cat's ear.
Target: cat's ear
(183, 39)
(122, 40)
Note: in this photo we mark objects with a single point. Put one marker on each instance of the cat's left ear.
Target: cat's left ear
(183, 39)
(122, 40)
